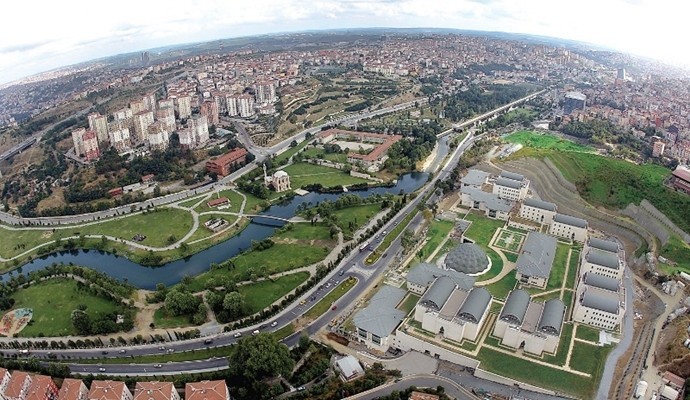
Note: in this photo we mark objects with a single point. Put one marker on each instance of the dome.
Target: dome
(467, 258)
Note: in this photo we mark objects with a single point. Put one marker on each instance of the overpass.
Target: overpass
(488, 115)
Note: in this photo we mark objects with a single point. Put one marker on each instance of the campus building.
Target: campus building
(680, 179)
(421, 276)
(536, 259)
(371, 161)
(568, 227)
(453, 311)
(475, 178)
(531, 325)
(491, 204)
(602, 262)
(376, 323)
(467, 258)
(109, 390)
(538, 211)
(73, 389)
(207, 390)
(225, 164)
(155, 391)
(600, 301)
(511, 186)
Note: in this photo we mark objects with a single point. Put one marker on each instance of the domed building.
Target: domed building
(467, 258)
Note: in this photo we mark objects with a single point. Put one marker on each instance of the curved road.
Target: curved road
(421, 381)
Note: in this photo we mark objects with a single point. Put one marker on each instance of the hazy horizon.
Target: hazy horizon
(57, 36)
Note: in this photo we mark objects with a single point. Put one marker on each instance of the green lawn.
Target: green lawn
(202, 354)
(290, 152)
(302, 174)
(589, 358)
(568, 301)
(262, 294)
(482, 228)
(540, 375)
(409, 303)
(496, 264)
(501, 288)
(161, 319)
(558, 270)
(279, 258)
(157, 226)
(512, 257)
(303, 231)
(572, 269)
(284, 332)
(678, 251)
(563, 346)
(545, 141)
(358, 215)
(587, 333)
(319, 153)
(234, 197)
(191, 202)
(438, 231)
(325, 304)
(52, 303)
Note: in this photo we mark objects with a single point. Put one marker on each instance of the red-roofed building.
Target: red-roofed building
(227, 163)
(156, 391)
(5, 377)
(673, 380)
(372, 161)
(42, 388)
(109, 390)
(73, 389)
(681, 179)
(218, 202)
(18, 387)
(148, 178)
(206, 390)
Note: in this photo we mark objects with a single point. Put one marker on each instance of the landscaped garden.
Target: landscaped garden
(303, 174)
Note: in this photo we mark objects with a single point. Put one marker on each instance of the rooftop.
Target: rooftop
(16, 384)
(490, 200)
(602, 282)
(467, 258)
(515, 307)
(424, 274)
(154, 391)
(682, 172)
(206, 390)
(70, 389)
(381, 317)
(569, 220)
(475, 177)
(536, 203)
(511, 175)
(349, 366)
(437, 294)
(600, 299)
(576, 96)
(552, 317)
(603, 258)
(507, 182)
(601, 244)
(107, 390)
(475, 305)
(537, 255)
(41, 387)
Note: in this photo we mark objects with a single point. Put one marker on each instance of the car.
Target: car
(122, 351)
(208, 341)
(256, 332)
(301, 388)
(171, 350)
(161, 348)
(274, 323)
(104, 352)
(157, 365)
(341, 273)
(334, 308)
(238, 334)
(101, 369)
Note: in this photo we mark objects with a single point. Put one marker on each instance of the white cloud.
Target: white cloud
(39, 35)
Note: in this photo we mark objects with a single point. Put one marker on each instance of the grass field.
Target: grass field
(290, 152)
(563, 346)
(262, 294)
(678, 251)
(438, 231)
(52, 302)
(409, 303)
(501, 288)
(545, 141)
(572, 269)
(482, 228)
(568, 301)
(304, 232)
(496, 264)
(325, 303)
(302, 174)
(320, 153)
(589, 358)
(358, 215)
(279, 258)
(161, 319)
(560, 262)
(587, 333)
(234, 197)
(536, 374)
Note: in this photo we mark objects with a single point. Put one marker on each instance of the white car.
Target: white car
(101, 369)
(238, 334)
(274, 323)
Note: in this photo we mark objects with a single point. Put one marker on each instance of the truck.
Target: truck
(640, 389)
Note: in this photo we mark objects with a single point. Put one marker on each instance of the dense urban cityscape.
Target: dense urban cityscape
(360, 214)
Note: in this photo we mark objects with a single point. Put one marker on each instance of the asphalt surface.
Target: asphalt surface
(420, 381)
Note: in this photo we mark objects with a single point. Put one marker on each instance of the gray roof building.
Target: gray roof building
(424, 274)
(601, 244)
(541, 204)
(599, 299)
(552, 317)
(474, 177)
(467, 258)
(536, 256)
(576, 95)
(603, 258)
(511, 175)
(600, 281)
(511, 183)
(475, 305)
(381, 317)
(436, 296)
(490, 200)
(515, 307)
(349, 366)
(570, 220)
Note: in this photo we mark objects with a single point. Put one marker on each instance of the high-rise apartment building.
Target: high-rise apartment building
(167, 116)
(658, 148)
(183, 106)
(120, 140)
(199, 126)
(99, 124)
(265, 91)
(245, 105)
(141, 124)
(85, 144)
(209, 108)
(574, 101)
(158, 136)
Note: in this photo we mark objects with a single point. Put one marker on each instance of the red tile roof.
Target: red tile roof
(154, 391)
(14, 389)
(206, 390)
(70, 389)
(107, 390)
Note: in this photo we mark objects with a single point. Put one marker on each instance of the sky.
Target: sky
(40, 35)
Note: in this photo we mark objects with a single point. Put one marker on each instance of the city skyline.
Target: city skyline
(59, 36)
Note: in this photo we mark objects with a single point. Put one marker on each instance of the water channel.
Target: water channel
(172, 272)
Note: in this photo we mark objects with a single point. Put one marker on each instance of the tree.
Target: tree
(81, 322)
(180, 303)
(260, 357)
(234, 304)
